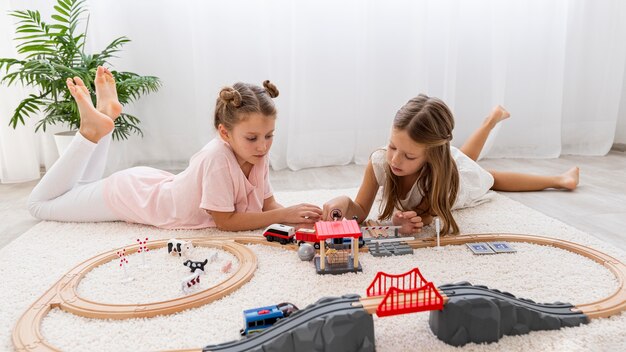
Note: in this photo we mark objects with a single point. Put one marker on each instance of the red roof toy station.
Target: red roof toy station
(337, 229)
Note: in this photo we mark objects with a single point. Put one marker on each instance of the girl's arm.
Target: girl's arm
(244, 221)
(297, 214)
(362, 204)
(271, 204)
(367, 193)
(412, 221)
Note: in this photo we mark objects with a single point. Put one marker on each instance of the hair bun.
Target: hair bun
(270, 88)
(230, 96)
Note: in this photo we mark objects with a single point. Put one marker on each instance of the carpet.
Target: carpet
(37, 259)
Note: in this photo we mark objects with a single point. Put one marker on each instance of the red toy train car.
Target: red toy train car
(307, 235)
(288, 234)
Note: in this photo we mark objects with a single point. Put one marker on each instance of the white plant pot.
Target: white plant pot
(62, 140)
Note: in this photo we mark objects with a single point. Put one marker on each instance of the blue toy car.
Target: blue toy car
(258, 319)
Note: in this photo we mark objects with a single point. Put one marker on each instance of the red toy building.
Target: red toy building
(338, 229)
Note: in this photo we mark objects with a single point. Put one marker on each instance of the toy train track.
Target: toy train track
(27, 336)
(472, 314)
(482, 315)
(307, 322)
(465, 289)
(611, 305)
(504, 314)
(63, 295)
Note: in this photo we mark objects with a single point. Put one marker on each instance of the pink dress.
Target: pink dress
(212, 181)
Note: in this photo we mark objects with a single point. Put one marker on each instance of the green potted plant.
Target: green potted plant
(52, 53)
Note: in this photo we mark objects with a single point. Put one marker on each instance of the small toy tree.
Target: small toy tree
(122, 255)
(143, 248)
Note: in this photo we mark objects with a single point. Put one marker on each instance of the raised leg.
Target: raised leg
(108, 104)
(65, 173)
(106, 94)
(474, 144)
(93, 124)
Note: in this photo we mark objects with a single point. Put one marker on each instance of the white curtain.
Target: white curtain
(345, 67)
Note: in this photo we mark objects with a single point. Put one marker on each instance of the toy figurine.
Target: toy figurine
(179, 247)
(190, 282)
(196, 265)
(226, 267)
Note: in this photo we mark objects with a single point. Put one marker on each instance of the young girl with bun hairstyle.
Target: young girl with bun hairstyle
(226, 184)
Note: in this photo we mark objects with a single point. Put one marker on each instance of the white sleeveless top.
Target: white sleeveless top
(474, 181)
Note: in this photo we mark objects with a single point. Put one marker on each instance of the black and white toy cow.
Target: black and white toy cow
(196, 265)
(179, 247)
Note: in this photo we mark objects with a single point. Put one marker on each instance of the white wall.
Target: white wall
(345, 67)
(620, 131)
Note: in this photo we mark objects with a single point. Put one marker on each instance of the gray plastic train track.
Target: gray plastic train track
(479, 314)
(330, 324)
(472, 314)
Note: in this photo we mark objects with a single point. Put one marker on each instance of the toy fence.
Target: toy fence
(377, 231)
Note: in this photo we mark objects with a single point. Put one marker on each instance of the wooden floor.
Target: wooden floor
(597, 207)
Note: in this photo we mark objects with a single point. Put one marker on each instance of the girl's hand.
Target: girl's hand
(302, 213)
(410, 222)
(336, 207)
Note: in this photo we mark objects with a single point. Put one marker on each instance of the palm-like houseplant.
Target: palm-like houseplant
(52, 53)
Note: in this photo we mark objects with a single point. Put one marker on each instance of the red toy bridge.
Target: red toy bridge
(404, 293)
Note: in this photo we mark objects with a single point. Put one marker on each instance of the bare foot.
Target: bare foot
(569, 179)
(93, 124)
(498, 113)
(106, 94)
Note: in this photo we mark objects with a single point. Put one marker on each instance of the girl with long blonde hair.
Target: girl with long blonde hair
(423, 176)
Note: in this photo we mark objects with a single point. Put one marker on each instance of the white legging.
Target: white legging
(73, 189)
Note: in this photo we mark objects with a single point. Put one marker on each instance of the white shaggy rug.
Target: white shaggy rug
(36, 260)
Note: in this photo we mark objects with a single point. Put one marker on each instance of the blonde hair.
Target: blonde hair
(234, 103)
(427, 121)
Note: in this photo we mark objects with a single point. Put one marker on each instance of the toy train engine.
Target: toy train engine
(279, 232)
(258, 319)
